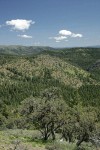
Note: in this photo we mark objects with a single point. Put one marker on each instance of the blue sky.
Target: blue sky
(56, 23)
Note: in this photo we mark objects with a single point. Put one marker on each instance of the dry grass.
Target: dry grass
(29, 140)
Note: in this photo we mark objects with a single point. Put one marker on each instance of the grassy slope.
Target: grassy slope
(25, 138)
(29, 140)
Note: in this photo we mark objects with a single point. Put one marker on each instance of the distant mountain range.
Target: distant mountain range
(95, 46)
(29, 50)
(22, 50)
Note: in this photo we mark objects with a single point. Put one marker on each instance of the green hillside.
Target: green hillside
(22, 50)
(86, 58)
(52, 94)
(62, 69)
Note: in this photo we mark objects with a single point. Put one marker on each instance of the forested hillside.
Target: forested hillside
(66, 80)
(22, 50)
(67, 69)
(86, 58)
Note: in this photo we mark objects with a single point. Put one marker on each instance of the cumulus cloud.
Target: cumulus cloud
(64, 34)
(20, 24)
(25, 36)
(58, 38)
(77, 35)
(69, 33)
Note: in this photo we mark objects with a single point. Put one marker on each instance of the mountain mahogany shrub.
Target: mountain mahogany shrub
(86, 123)
(47, 114)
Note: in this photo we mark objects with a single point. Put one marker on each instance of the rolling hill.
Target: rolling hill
(66, 69)
(49, 84)
(85, 58)
(22, 50)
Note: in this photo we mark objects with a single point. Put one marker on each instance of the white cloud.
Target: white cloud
(20, 24)
(63, 35)
(77, 35)
(58, 38)
(25, 36)
(69, 33)
(65, 32)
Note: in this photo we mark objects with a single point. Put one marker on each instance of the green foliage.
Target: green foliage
(86, 123)
(58, 90)
(90, 94)
(47, 74)
(48, 114)
(21, 77)
(85, 58)
(22, 50)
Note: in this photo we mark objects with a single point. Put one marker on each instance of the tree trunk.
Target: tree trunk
(45, 133)
(45, 138)
(70, 137)
(67, 135)
(53, 135)
(52, 131)
(80, 141)
(85, 138)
